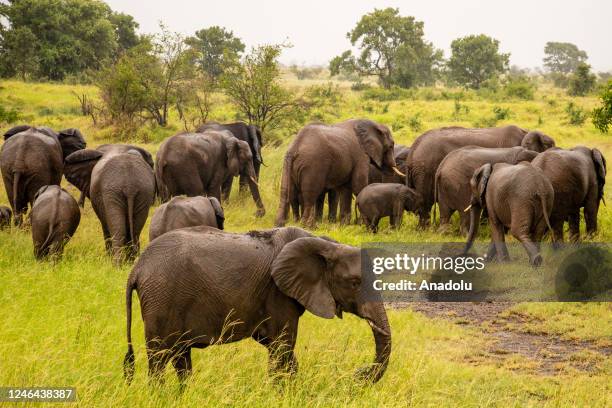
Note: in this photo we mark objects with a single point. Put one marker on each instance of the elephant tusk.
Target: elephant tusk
(254, 181)
(399, 173)
(468, 208)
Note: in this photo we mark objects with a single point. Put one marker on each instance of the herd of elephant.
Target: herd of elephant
(193, 279)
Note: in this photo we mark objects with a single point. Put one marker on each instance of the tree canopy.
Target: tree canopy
(562, 57)
(215, 49)
(391, 47)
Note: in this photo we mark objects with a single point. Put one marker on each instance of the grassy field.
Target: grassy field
(64, 324)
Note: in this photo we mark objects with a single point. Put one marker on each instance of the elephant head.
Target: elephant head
(600, 170)
(412, 199)
(71, 141)
(219, 214)
(255, 138)
(478, 184)
(325, 277)
(537, 141)
(239, 158)
(376, 141)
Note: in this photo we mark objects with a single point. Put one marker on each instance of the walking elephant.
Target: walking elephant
(121, 186)
(32, 157)
(247, 133)
(55, 218)
(332, 157)
(452, 182)
(430, 148)
(379, 200)
(517, 197)
(195, 164)
(5, 217)
(200, 286)
(183, 212)
(578, 177)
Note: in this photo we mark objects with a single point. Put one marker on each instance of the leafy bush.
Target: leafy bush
(415, 122)
(359, 85)
(460, 108)
(575, 115)
(520, 87)
(501, 113)
(9, 115)
(391, 94)
(602, 115)
(582, 81)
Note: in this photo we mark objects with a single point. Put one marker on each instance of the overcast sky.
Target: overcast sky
(317, 28)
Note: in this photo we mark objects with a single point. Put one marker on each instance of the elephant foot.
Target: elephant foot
(536, 260)
(260, 212)
(370, 373)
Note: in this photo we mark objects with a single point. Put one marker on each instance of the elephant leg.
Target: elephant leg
(243, 184)
(182, 365)
(261, 209)
(374, 224)
(158, 359)
(319, 207)
(227, 188)
(308, 215)
(82, 200)
(116, 217)
(396, 218)
(295, 205)
(464, 222)
(574, 226)
(445, 216)
(498, 239)
(346, 199)
(332, 203)
(281, 357)
(590, 213)
(521, 233)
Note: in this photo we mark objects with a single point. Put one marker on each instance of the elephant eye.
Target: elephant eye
(355, 283)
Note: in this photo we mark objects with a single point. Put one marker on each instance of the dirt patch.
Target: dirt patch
(546, 354)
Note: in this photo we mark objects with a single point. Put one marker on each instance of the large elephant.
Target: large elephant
(517, 197)
(183, 212)
(195, 164)
(332, 157)
(55, 218)
(200, 286)
(400, 152)
(452, 182)
(32, 157)
(247, 133)
(430, 148)
(578, 177)
(121, 186)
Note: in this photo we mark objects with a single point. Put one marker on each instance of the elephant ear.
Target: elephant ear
(219, 214)
(231, 147)
(78, 167)
(537, 141)
(479, 182)
(300, 270)
(14, 130)
(370, 135)
(600, 169)
(255, 138)
(146, 156)
(71, 140)
(40, 191)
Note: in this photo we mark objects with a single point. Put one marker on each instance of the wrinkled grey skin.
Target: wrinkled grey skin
(332, 157)
(430, 148)
(578, 177)
(183, 212)
(55, 218)
(452, 185)
(195, 164)
(121, 187)
(32, 157)
(379, 200)
(247, 133)
(400, 153)
(5, 217)
(195, 282)
(118, 148)
(517, 197)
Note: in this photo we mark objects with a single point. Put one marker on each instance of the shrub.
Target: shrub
(359, 85)
(602, 115)
(576, 116)
(582, 81)
(519, 87)
(501, 113)
(9, 115)
(384, 95)
(415, 122)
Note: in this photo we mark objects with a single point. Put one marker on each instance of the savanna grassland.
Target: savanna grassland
(63, 324)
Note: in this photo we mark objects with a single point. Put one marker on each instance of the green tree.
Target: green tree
(602, 115)
(253, 85)
(125, 31)
(392, 48)
(563, 57)
(476, 59)
(582, 80)
(215, 48)
(20, 56)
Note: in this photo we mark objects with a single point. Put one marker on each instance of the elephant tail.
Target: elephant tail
(52, 221)
(16, 177)
(545, 212)
(130, 214)
(161, 188)
(285, 193)
(129, 360)
(435, 202)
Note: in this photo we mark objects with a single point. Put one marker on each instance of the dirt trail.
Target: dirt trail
(549, 354)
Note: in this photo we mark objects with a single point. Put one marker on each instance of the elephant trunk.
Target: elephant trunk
(376, 316)
(254, 187)
(475, 212)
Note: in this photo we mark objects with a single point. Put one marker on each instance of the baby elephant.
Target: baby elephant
(55, 218)
(5, 217)
(183, 212)
(379, 200)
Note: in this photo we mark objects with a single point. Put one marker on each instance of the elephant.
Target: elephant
(121, 186)
(32, 157)
(578, 177)
(400, 153)
(119, 148)
(183, 212)
(452, 183)
(200, 286)
(517, 197)
(195, 164)
(55, 218)
(430, 148)
(247, 133)
(5, 217)
(378, 200)
(332, 157)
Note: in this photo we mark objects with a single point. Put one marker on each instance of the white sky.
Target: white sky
(317, 28)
